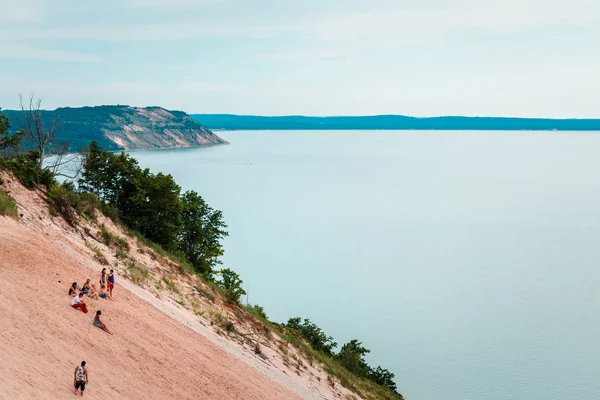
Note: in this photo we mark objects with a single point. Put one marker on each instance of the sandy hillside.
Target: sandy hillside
(166, 343)
(149, 355)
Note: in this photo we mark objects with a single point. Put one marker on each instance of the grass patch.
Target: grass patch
(257, 348)
(196, 307)
(176, 258)
(171, 285)
(121, 243)
(205, 293)
(8, 206)
(365, 388)
(71, 205)
(120, 254)
(110, 239)
(98, 253)
(257, 312)
(222, 322)
(137, 274)
(107, 236)
(215, 286)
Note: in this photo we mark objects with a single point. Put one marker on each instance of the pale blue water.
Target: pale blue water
(468, 262)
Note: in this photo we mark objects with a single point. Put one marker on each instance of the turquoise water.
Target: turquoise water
(468, 262)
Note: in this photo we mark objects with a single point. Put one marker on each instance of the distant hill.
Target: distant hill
(124, 127)
(250, 122)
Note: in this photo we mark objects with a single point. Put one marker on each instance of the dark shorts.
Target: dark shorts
(80, 385)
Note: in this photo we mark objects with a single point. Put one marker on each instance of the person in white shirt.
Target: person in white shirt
(77, 302)
(80, 378)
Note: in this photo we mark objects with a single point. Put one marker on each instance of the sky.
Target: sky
(529, 58)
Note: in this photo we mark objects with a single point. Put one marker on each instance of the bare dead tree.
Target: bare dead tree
(63, 163)
(43, 137)
(34, 128)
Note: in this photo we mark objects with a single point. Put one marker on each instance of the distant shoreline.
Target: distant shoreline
(230, 122)
(391, 129)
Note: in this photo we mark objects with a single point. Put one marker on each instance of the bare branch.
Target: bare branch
(65, 164)
(33, 126)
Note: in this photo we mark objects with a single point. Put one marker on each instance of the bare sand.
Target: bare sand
(149, 356)
(164, 344)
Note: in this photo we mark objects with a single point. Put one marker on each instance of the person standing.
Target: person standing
(77, 302)
(80, 378)
(103, 277)
(111, 282)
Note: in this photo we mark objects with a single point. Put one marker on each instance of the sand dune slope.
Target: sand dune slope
(150, 356)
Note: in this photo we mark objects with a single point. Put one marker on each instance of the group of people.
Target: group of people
(107, 283)
(78, 293)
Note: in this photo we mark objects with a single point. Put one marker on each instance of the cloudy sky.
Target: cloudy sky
(317, 57)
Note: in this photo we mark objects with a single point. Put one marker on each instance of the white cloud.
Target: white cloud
(173, 5)
(353, 57)
(492, 16)
(141, 32)
(21, 11)
(401, 22)
(399, 26)
(21, 51)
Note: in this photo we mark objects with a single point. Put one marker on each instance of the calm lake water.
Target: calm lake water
(468, 262)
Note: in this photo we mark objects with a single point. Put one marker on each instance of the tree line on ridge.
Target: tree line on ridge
(154, 205)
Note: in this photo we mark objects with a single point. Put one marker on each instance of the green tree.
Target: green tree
(145, 202)
(154, 206)
(202, 230)
(231, 284)
(383, 377)
(95, 177)
(158, 214)
(351, 356)
(9, 143)
(313, 334)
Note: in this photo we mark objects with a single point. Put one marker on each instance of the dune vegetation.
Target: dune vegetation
(183, 228)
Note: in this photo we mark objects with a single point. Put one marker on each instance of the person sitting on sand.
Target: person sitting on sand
(111, 282)
(93, 293)
(73, 289)
(99, 323)
(103, 293)
(80, 378)
(77, 302)
(86, 287)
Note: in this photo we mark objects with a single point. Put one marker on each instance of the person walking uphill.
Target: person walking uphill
(77, 302)
(111, 282)
(80, 378)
